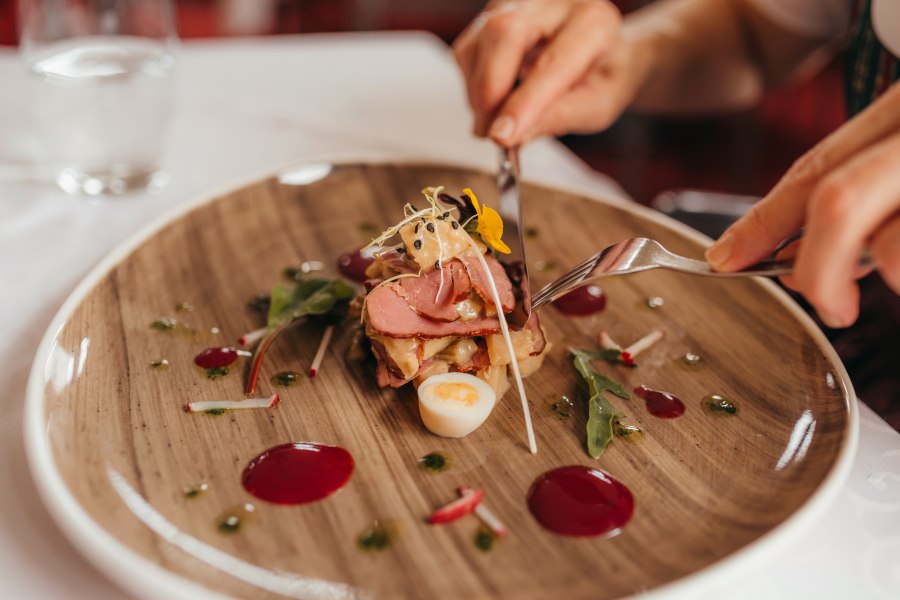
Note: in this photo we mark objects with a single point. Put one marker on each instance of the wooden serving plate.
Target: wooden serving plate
(112, 450)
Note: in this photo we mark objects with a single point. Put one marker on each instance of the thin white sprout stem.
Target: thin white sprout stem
(392, 231)
(490, 519)
(320, 353)
(384, 250)
(267, 402)
(645, 342)
(495, 295)
(440, 260)
(607, 342)
(248, 339)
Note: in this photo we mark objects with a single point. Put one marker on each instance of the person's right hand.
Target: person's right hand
(845, 194)
(574, 72)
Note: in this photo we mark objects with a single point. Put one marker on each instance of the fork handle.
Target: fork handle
(774, 268)
(766, 268)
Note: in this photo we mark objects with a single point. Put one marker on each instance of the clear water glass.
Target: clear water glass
(102, 77)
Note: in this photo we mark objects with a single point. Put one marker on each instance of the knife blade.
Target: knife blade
(510, 211)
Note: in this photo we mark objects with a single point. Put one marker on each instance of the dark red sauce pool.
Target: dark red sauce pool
(353, 266)
(660, 404)
(580, 501)
(581, 302)
(297, 473)
(212, 358)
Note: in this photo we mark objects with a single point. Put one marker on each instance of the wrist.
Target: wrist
(657, 42)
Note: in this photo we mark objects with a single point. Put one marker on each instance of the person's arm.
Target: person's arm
(711, 55)
(578, 66)
(845, 194)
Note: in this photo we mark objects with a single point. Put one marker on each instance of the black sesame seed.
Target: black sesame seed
(430, 227)
(417, 244)
(455, 225)
(401, 250)
(437, 264)
(445, 215)
(441, 217)
(416, 230)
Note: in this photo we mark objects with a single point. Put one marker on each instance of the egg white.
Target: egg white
(455, 416)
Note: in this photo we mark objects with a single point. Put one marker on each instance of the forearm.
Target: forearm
(698, 56)
(709, 55)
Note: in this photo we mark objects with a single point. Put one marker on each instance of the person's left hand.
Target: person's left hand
(845, 194)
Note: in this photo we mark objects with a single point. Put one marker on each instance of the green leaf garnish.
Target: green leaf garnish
(315, 296)
(601, 412)
(309, 297)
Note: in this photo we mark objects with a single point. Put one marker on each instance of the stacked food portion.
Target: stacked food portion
(432, 302)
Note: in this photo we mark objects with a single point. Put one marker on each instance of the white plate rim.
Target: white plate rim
(147, 579)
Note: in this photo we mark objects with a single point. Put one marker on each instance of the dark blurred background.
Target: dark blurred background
(742, 153)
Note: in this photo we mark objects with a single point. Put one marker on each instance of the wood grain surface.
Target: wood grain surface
(704, 486)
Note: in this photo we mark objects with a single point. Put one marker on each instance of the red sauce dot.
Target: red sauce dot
(660, 404)
(353, 266)
(580, 501)
(297, 473)
(581, 302)
(213, 358)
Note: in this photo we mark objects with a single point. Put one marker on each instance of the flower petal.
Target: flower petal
(490, 227)
(468, 192)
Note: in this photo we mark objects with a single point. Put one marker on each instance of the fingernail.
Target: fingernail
(502, 129)
(720, 252)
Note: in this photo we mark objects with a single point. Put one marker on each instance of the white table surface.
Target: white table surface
(248, 106)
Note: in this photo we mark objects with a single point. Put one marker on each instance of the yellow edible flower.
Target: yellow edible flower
(490, 225)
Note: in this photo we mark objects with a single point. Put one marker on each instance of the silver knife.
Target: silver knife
(511, 212)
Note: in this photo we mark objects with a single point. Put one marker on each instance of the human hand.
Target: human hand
(845, 194)
(575, 74)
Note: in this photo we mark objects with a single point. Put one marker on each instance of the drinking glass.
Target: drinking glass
(102, 76)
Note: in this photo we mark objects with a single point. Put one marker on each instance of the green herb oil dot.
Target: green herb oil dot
(260, 303)
(214, 373)
(215, 411)
(163, 324)
(195, 490)
(719, 405)
(377, 537)
(292, 274)
(691, 361)
(435, 462)
(230, 524)
(631, 433)
(531, 232)
(485, 538)
(184, 307)
(286, 378)
(159, 363)
(231, 521)
(562, 408)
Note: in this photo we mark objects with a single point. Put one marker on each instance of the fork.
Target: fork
(642, 254)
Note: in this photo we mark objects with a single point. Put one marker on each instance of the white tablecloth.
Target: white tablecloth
(248, 106)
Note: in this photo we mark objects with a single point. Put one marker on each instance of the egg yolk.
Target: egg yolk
(456, 392)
